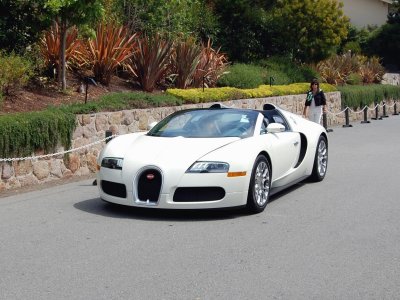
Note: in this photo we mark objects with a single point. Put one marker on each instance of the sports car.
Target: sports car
(213, 158)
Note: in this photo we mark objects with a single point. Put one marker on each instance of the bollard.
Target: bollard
(108, 135)
(395, 113)
(365, 116)
(346, 114)
(376, 112)
(325, 122)
(384, 111)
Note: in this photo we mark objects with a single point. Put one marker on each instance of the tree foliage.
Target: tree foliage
(385, 43)
(385, 40)
(244, 28)
(394, 13)
(356, 40)
(171, 18)
(21, 22)
(309, 30)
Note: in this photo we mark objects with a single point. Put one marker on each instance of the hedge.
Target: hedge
(359, 96)
(230, 93)
(24, 133)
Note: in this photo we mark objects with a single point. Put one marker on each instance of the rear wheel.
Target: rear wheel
(320, 160)
(260, 185)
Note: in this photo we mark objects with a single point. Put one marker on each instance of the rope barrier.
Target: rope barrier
(339, 113)
(376, 106)
(58, 153)
(364, 110)
(356, 112)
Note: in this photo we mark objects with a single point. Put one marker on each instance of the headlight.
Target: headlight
(112, 163)
(208, 167)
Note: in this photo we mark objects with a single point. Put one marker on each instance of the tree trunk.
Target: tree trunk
(63, 41)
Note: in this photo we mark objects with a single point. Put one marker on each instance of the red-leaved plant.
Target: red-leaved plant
(110, 49)
(50, 46)
(211, 66)
(151, 61)
(185, 59)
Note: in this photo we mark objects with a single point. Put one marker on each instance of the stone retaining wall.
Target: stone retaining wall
(92, 128)
(391, 78)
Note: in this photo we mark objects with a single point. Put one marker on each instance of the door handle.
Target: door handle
(296, 143)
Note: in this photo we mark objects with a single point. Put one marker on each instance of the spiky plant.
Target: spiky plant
(337, 69)
(372, 71)
(111, 48)
(50, 46)
(211, 66)
(185, 58)
(151, 61)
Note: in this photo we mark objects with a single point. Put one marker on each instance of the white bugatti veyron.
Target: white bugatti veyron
(211, 158)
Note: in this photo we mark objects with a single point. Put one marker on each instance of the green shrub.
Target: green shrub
(358, 96)
(15, 72)
(123, 100)
(353, 47)
(243, 76)
(229, 93)
(285, 71)
(208, 95)
(23, 133)
(354, 79)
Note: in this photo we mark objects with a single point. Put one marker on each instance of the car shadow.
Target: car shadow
(288, 190)
(105, 209)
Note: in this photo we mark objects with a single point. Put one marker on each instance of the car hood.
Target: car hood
(171, 152)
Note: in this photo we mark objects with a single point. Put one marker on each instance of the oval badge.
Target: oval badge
(150, 176)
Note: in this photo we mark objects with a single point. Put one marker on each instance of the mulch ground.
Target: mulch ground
(37, 97)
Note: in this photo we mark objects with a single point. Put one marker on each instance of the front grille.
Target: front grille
(149, 185)
(198, 194)
(113, 188)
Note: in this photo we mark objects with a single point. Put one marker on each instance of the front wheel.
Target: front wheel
(260, 185)
(320, 160)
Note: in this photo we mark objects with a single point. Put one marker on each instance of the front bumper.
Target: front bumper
(235, 191)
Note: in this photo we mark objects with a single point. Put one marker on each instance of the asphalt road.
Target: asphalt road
(339, 239)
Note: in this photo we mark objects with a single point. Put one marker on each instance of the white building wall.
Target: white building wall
(366, 12)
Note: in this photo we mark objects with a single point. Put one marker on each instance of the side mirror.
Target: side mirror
(151, 125)
(275, 128)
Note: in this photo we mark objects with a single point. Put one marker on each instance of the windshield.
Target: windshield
(207, 123)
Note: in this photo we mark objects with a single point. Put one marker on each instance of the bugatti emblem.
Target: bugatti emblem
(150, 176)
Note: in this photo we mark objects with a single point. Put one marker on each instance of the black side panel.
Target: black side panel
(303, 149)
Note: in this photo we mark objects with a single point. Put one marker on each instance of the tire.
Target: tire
(320, 160)
(260, 185)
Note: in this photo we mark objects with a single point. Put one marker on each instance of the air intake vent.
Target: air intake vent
(113, 188)
(198, 194)
(149, 185)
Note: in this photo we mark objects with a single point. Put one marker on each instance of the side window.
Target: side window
(278, 119)
(273, 116)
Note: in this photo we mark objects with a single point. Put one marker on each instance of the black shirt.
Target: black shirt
(319, 98)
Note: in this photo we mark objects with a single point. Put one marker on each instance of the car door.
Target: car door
(282, 147)
(284, 150)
